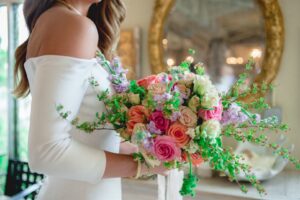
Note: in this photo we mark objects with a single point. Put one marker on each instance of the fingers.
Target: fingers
(128, 148)
(166, 173)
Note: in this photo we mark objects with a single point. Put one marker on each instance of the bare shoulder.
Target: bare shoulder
(65, 33)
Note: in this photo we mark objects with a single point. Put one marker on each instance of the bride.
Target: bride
(54, 66)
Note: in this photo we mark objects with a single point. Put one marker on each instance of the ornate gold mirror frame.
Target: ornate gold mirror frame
(274, 38)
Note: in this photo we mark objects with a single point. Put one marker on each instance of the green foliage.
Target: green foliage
(224, 160)
(136, 89)
(190, 182)
(59, 109)
(189, 185)
(93, 81)
(172, 105)
(199, 69)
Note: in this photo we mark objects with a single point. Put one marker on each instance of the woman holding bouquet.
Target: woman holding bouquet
(54, 65)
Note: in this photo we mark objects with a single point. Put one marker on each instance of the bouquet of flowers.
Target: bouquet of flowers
(179, 118)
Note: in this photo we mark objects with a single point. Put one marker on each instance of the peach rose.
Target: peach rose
(157, 88)
(187, 117)
(194, 103)
(187, 79)
(185, 92)
(136, 114)
(178, 132)
(134, 98)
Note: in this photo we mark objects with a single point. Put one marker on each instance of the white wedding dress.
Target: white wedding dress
(72, 160)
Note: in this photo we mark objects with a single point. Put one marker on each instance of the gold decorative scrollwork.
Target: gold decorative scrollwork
(274, 38)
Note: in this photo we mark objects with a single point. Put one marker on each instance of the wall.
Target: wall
(287, 93)
(139, 13)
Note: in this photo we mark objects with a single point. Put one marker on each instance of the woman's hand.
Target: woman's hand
(161, 170)
(128, 148)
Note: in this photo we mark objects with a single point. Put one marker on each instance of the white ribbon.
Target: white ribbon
(169, 186)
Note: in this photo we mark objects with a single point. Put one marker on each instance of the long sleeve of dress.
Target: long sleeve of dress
(52, 150)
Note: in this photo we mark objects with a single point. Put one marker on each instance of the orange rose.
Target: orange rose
(187, 117)
(195, 158)
(136, 114)
(178, 132)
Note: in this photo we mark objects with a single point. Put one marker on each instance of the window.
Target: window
(14, 114)
(3, 93)
(23, 104)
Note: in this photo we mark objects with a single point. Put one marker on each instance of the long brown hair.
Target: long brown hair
(107, 16)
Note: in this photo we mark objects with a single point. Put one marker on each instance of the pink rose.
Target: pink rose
(145, 82)
(160, 121)
(165, 148)
(212, 114)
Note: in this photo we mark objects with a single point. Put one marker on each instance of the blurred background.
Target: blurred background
(224, 33)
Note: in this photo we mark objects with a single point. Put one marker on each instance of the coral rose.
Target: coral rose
(136, 114)
(145, 82)
(195, 158)
(178, 132)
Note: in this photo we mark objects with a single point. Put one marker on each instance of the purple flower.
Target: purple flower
(161, 98)
(175, 116)
(123, 87)
(117, 66)
(118, 76)
(148, 144)
(233, 115)
(152, 128)
(165, 78)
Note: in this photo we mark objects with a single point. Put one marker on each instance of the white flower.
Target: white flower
(202, 84)
(191, 132)
(211, 128)
(191, 147)
(211, 98)
(150, 160)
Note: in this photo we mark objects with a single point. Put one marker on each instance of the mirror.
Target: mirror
(224, 34)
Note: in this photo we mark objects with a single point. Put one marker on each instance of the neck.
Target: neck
(80, 5)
